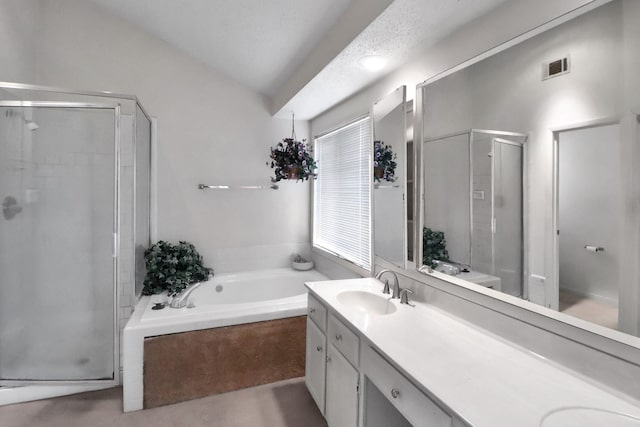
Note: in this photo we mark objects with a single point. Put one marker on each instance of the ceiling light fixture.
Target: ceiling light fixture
(372, 62)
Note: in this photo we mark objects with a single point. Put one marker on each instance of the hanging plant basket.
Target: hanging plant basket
(378, 172)
(384, 162)
(293, 172)
(292, 159)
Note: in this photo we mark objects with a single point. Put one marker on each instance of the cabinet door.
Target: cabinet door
(342, 391)
(315, 363)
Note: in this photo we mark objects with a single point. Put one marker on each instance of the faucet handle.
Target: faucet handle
(386, 289)
(404, 295)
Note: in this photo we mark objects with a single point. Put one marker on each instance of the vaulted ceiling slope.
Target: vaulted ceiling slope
(302, 54)
(256, 42)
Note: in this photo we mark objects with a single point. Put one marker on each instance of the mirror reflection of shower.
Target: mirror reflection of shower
(473, 199)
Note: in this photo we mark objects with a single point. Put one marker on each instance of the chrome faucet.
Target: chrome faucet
(396, 285)
(180, 300)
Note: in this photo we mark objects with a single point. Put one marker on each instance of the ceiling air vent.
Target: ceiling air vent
(556, 68)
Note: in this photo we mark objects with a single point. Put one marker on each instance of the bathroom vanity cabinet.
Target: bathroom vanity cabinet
(331, 373)
(354, 385)
(373, 362)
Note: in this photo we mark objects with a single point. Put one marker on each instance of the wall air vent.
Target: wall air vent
(556, 68)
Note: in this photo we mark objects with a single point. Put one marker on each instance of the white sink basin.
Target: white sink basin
(588, 417)
(366, 302)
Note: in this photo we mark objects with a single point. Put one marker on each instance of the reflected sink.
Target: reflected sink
(366, 302)
(587, 417)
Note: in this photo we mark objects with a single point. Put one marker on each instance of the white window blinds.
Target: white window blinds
(342, 193)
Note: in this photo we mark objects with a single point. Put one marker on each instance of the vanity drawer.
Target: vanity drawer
(344, 340)
(317, 312)
(417, 408)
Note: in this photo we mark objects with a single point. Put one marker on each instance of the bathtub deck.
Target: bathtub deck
(195, 364)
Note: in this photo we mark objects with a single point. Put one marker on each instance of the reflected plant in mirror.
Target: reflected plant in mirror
(525, 168)
(384, 162)
(434, 247)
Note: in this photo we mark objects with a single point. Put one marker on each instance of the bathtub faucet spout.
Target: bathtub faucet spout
(180, 300)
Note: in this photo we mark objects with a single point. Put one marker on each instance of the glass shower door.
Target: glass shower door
(57, 265)
(507, 215)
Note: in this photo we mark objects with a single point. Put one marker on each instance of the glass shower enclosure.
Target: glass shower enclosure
(75, 191)
(473, 193)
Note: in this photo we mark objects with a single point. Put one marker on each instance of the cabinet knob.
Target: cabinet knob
(312, 310)
(395, 393)
(338, 337)
(328, 359)
(319, 348)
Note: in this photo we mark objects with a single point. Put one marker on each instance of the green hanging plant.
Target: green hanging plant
(434, 247)
(292, 159)
(173, 268)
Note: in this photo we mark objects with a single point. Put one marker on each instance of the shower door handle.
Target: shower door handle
(115, 246)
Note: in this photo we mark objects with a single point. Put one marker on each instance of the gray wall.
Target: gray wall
(210, 129)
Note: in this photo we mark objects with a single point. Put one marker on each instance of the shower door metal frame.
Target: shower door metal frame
(116, 235)
(523, 254)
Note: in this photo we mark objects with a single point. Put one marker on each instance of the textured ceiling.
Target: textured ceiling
(401, 32)
(256, 42)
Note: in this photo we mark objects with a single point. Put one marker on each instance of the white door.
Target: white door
(315, 363)
(342, 391)
(590, 209)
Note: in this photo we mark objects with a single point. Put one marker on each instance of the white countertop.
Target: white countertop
(483, 379)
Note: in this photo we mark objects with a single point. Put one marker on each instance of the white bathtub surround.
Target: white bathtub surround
(226, 299)
(471, 374)
(251, 258)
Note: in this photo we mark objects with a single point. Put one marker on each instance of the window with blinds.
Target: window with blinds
(342, 193)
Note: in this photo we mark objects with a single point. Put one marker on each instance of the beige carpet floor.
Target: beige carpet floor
(589, 309)
(282, 404)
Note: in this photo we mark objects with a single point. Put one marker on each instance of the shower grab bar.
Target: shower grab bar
(237, 187)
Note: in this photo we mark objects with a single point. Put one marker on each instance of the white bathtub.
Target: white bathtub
(226, 299)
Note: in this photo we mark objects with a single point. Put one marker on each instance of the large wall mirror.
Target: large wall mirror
(531, 168)
(389, 177)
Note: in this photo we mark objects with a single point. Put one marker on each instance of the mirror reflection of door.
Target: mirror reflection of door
(389, 186)
(590, 207)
